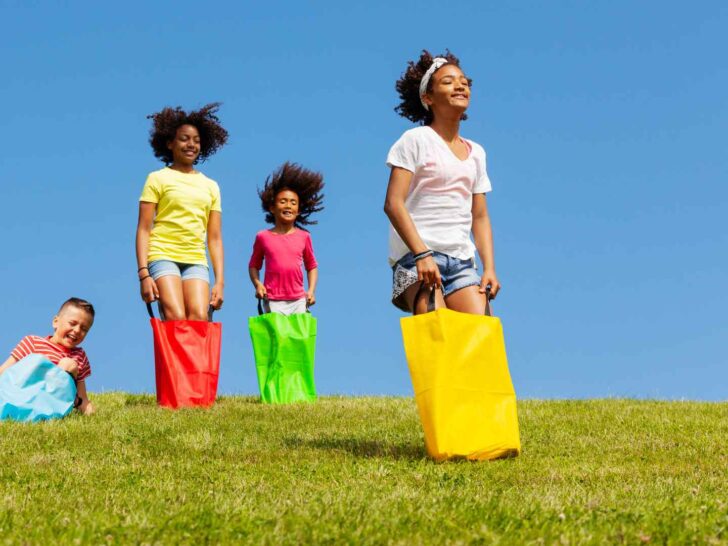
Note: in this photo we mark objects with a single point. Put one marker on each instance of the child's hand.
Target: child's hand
(149, 290)
(86, 407)
(428, 272)
(489, 278)
(216, 296)
(310, 298)
(260, 292)
(68, 365)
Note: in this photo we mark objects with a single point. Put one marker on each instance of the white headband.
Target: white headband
(437, 62)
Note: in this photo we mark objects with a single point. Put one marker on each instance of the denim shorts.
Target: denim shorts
(454, 272)
(161, 268)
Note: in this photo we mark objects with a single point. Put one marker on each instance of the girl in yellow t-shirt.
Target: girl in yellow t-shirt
(179, 208)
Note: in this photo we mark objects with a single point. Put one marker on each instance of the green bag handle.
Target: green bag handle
(210, 311)
(431, 299)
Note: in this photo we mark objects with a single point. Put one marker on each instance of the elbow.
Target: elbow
(389, 208)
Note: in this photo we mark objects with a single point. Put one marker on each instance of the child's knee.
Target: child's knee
(69, 365)
(197, 315)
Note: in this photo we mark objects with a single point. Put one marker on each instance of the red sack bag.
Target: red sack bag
(186, 360)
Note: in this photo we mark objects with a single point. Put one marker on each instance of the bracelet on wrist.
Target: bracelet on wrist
(145, 267)
(423, 255)
(146, 277)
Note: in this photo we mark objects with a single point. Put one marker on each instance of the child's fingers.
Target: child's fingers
(483, 284)
(438, 279)
(216, 299)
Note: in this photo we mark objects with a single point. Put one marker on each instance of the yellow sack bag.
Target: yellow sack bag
(462, 386)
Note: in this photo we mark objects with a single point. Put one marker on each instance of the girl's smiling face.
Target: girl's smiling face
(186, 145)
(285, 208)
(450, 89)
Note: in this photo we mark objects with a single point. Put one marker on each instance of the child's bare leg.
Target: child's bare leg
(467, 300)
(171, 297)
(197, 298)
(69, 365)
(420, 306)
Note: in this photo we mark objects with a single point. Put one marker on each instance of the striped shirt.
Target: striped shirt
(53, 352)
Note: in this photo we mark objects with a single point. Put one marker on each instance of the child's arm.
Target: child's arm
(86, 407)
(214, 245)
(9, 362)
(312, 275)
(309, 262)
(255, 265)
(260, 291)
(399, 217)
(147, 286)
(483, 235)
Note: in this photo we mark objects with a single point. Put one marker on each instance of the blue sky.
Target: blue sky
(604, 123)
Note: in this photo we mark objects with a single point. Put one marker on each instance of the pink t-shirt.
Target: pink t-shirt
(283, 255)
(53, 352)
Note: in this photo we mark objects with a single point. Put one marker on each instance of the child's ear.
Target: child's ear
(427, 100)
(55, 322)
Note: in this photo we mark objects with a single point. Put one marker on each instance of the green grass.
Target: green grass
(354, 470)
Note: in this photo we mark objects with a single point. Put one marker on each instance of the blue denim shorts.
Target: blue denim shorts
(454, 272)
(161, 268)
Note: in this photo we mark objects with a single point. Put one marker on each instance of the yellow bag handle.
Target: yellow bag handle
(431, 298)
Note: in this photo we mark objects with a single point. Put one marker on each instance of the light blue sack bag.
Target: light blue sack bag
(35, 389)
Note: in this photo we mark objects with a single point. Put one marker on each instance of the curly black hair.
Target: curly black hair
(408, 87)
(303, 182)
(165, 124)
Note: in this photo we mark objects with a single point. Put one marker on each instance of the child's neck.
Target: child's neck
(283, 229)
(187, 169)
(447, 127)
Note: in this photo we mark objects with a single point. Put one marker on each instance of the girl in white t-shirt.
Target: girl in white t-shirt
(436, 194)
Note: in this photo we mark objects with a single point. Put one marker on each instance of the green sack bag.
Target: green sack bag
(284, 348)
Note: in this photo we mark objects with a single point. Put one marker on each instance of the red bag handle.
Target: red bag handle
(210, 311)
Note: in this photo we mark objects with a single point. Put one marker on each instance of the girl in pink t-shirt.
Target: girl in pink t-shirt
(290, 195)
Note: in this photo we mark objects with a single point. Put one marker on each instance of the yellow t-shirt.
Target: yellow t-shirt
(184, 202)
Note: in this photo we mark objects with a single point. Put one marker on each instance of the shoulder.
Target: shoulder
(415, 135)
(209, 181)
(79, 352)
(157, 179)
(263, 235)
(478, 150)
(158, 174)
(409, 151)
(26, 340)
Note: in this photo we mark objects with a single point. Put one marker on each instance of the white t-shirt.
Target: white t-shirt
(440, 195)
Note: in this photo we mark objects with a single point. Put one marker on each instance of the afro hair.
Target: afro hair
(303, 182)
(165, 124)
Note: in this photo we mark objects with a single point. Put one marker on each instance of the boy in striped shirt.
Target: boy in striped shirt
(70, 326)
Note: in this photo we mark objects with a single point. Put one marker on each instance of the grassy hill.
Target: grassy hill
(354, 470)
